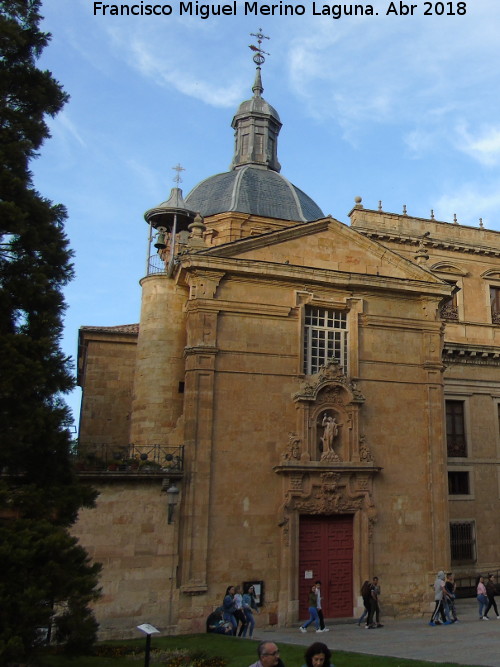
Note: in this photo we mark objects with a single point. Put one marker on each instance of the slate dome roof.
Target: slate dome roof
(253, 189)
(254, 184)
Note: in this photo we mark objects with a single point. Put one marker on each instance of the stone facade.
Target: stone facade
(302, 399)
(219, 369)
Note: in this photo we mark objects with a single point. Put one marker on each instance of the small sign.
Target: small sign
(147, 628)
(308, 574)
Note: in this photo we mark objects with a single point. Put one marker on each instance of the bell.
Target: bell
(160, 241)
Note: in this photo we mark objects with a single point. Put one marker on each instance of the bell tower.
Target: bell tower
(159, 376)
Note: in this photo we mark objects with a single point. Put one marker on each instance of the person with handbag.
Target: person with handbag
(482, 598)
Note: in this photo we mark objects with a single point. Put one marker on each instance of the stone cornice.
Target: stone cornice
(305, 275)
(478, 355)
(437, 244)
(216, 305)
(402, 323)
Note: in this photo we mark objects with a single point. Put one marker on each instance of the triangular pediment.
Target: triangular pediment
(325, 244)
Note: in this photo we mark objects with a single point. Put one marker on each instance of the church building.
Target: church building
(302, 399)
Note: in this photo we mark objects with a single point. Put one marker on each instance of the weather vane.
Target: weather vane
(177, 178)
(259, 55)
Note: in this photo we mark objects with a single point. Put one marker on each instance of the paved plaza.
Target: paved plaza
(468, 642)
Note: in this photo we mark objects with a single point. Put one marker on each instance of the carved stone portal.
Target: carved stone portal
(327, 466)
(328, 493)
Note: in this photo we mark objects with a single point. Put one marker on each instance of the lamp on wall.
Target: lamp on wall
(172, 499)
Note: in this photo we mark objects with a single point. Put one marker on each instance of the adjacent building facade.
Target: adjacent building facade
(301, 399)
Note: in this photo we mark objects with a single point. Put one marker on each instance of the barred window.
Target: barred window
(449, 309)
(463, 542)
(495, 304)
(455, 429)
(325, 336)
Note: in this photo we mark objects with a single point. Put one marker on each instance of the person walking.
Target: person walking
(319, 608)
(313, 611)
(449, 589)
(375, 596)
(249, 606)
(438, 601)
(482, 598)
(239, 614)
(491, 590)
(366, 595)
(374, 609)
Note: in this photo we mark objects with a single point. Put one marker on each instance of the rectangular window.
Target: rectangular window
(462, 542)
(458, 483)
(495, 304)
(449, 309)
(325, 337)
(455, 429)
(244, 144)
(259, 143)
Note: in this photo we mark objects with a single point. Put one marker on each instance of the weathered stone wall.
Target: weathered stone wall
(128, 532)
(107, 368)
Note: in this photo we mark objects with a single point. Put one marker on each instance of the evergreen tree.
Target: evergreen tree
(45, 575)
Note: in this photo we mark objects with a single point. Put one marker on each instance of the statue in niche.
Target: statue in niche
(330, 432)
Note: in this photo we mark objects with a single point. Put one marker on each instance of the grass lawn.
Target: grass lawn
(237, 653)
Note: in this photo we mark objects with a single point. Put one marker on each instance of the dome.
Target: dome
(254, 184)
(253, 189)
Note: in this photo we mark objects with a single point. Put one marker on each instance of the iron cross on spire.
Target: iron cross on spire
(259, 55)
(177, 177)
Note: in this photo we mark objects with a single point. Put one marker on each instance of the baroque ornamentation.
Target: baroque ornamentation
(292, 452)
(332, 376)
(330, 493)
(364, 452)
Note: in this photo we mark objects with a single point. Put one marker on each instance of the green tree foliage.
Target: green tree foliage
(44, 573)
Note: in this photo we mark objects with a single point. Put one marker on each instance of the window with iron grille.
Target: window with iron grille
(455, 429)
(458, 483)
(495, 304)
(449, 309)
(463, 542)
(325, 336)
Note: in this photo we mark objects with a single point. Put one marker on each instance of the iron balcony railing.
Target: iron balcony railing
(151, 459)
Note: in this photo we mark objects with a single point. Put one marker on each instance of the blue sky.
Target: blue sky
(402, 109)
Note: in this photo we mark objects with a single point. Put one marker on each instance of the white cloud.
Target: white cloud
(483, 146)
(470, 202)
(162, 68)
(416, 70)
(63, 122)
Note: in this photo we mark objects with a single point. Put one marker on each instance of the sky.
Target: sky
(393, 107)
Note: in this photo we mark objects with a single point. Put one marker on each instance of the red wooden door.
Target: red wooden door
(325, 553)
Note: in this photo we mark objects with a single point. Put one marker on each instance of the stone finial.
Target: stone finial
(357, 202)
(455, 221)
(481, 223)
(379, 204)
(432, 214)
(196, 229)
(404, 210)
